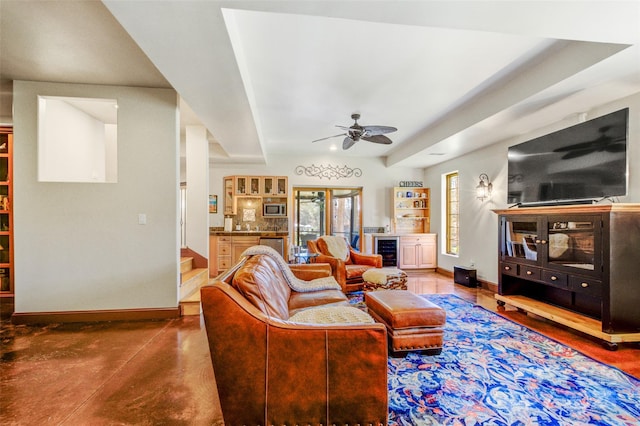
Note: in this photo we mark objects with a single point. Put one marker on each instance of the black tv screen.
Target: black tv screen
(584, 162)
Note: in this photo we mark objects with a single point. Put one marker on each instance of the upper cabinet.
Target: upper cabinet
(229, 191)
(411, 213)
(253, 186)
(274, 186)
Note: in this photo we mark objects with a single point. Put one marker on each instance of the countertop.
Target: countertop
(384, 234)
(251, 233)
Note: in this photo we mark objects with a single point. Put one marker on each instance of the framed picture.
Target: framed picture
(213, 204)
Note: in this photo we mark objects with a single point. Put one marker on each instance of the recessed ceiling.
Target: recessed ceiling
(268, 77)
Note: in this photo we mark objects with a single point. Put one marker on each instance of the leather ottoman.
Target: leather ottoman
(384, 279)
(413, 323)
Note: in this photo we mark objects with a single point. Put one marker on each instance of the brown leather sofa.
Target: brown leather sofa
(348, 272)
(271, 371)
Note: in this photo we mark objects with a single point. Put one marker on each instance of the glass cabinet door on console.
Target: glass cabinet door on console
(563, 243)
(518, 238)
(571, 244)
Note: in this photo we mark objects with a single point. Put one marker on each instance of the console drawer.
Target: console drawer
(555, 279)
(530, 272)
(509, 268)
(586, 286)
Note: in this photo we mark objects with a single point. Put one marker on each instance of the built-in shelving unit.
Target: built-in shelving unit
(411, 212)
(6, 212)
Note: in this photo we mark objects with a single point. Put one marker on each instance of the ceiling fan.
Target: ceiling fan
(600, 144)
(356, 132)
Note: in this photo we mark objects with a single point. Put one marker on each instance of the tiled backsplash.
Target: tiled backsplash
(249, 212)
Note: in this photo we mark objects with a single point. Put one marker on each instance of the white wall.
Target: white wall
(478, 223)
(197, 173)
(78, 246)
(376, 180)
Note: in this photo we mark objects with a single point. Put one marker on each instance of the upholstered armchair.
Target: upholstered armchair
(347, 265)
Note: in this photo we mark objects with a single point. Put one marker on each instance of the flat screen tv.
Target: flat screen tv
(582, 163)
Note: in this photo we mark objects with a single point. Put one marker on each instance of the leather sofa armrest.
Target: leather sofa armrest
(374, 260)
(311, 271)
(268, 367)
(337, 269)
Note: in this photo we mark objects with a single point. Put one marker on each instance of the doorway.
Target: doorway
(327, 211)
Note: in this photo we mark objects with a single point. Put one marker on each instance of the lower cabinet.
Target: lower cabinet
(225, 250)
(240, 244)
(418, 251)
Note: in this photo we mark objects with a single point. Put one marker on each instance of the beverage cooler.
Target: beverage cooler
(388, 248)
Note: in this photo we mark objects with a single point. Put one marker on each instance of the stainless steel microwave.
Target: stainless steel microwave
(274, 209)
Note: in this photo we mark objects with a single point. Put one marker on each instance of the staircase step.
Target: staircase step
(192, 281)
(190, 290)
(190, 305)
(186, 264)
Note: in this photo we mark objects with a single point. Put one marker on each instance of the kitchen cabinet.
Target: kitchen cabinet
(418, 251)
(225, 251)
(274, 186)
(229, 191)
(253, 186)
(240, 244)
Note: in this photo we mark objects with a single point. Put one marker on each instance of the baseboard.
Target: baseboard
(95, 316)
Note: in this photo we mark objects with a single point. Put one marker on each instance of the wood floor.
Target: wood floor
(159, 372)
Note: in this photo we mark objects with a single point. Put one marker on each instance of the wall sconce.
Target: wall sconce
(483, 190)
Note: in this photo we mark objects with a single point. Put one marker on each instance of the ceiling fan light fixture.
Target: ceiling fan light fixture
(357, 132)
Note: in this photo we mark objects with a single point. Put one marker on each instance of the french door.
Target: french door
(327, 211)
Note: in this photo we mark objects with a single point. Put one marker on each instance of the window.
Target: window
(452, 213)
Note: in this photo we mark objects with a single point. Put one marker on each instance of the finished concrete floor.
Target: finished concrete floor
(135, 373)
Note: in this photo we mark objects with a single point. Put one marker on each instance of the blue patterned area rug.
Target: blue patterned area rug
(493, 371)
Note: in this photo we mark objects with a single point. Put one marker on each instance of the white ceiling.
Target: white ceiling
(268, 77)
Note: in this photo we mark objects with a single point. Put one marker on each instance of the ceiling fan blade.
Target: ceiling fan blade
(616, 147)
(577, 153)
(347, 143)
(378, 130)
(378, 139)
(329, 137)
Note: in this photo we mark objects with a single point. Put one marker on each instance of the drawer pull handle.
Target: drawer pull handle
(529, 273)
(584, 285)
(507, 268)
(554, 278)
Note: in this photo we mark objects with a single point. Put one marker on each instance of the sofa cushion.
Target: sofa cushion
(301, 301)
(260, 281)
(332, 315)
